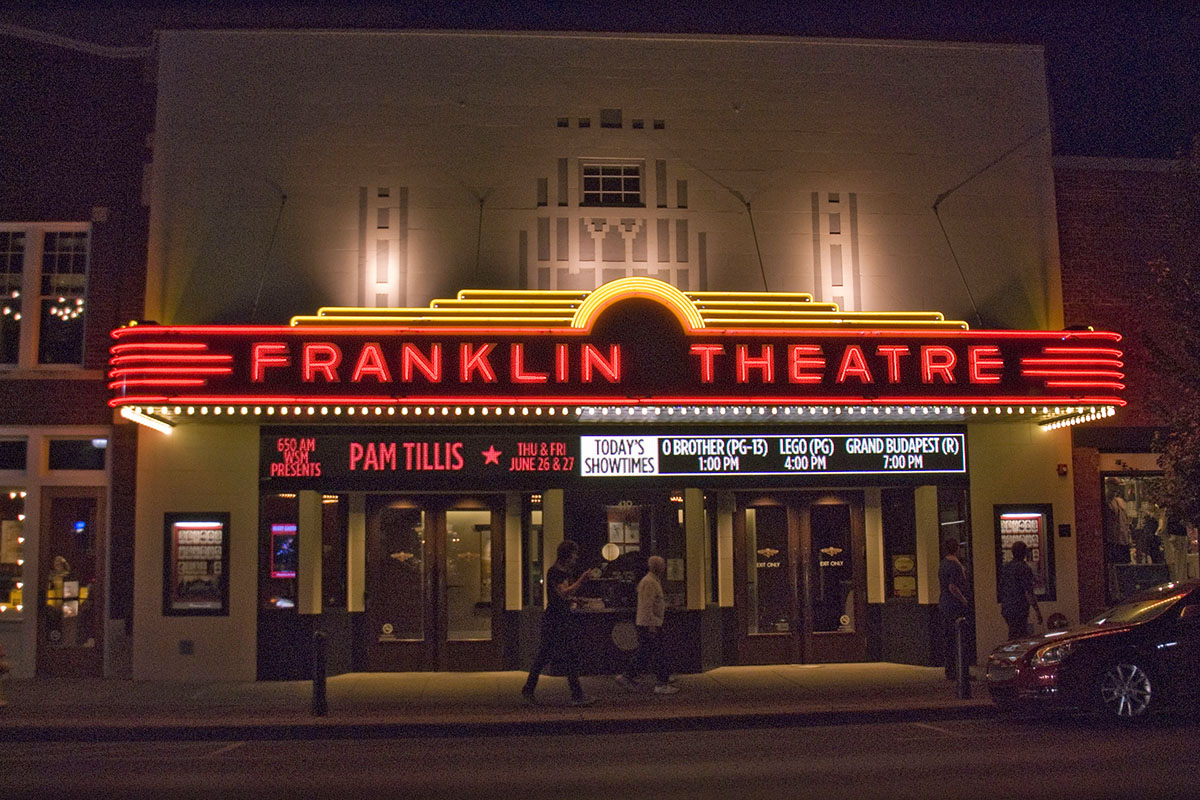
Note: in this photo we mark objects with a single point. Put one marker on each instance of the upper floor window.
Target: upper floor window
(43, 285)
(611, 184)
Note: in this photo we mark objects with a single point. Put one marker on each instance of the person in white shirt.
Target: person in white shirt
(651, 605)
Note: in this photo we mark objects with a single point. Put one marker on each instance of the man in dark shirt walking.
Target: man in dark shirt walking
(560, 639)
(1016, 592)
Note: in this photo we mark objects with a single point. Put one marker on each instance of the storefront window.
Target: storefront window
(768, 589)
(12, 553)
(280, 552)
(833, 573)
(1143, 544)
(469, 575)
(617, 533)
(531, 549)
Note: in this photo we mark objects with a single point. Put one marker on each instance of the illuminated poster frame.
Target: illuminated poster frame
(196, 564)
(1032, 523)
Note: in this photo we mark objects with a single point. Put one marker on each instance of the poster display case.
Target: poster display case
(196, 564)
(1032, 524)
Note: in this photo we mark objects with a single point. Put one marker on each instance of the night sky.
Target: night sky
(1124, 78)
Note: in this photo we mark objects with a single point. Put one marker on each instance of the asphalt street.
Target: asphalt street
(992, 758)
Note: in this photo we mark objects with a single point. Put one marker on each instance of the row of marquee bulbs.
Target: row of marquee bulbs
(1070, 415)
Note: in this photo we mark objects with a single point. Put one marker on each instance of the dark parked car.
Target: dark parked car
(1137, 657)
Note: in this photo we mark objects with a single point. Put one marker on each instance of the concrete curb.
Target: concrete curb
(322, 728)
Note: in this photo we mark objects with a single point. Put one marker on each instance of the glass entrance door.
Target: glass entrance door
(71, 583)
(434, 585)
(800, 578)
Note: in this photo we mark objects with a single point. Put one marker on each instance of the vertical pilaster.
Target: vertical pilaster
(928, 544)
(308, 589)
(356, 553)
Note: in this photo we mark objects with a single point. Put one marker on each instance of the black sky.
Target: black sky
(1124, 78)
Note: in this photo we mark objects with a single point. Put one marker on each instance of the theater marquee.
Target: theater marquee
(635, 342)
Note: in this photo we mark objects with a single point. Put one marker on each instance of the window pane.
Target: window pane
(612, 184)
(1144, 545)
(279, 555)
(12, 454)
(78, 453)
(768, 590)
(71, 614)
(833, 587)
(12, 260)
(12, 555)
(64, 281)
(402, 573)
(469, 575)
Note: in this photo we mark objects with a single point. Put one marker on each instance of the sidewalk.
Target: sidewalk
(478, 703)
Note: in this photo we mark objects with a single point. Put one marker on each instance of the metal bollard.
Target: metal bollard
(319, 704)
(960, 658)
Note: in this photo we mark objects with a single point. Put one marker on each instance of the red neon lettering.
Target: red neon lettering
(802, 357)
(937, 359)
(519, 375)
(473, 360)
(356, 454)
(323, 358)
(370, 362)
(430, 367)
(977, 361)
(892, 353)
(610, 369)
(562, 372)
(764, 361)
(267, 354)
(708, 354)
(854, 363)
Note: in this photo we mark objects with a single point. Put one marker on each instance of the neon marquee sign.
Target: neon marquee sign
(643, 344)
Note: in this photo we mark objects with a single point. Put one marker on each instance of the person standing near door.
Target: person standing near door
(560, 638)
(651, 610)
(952, 603)
(1016, 592)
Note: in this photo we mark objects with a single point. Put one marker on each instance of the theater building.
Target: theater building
(410, 472)
(420, 305)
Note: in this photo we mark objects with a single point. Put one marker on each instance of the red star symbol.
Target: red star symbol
(491, 455)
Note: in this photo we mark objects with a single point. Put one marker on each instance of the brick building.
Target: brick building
(1116, 216)
(72, 265)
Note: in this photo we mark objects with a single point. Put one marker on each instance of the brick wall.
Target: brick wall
(1089, 538)
(1113, 219)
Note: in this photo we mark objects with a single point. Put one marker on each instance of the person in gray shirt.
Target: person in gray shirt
(651, 608)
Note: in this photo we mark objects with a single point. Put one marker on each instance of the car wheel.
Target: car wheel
(1126, 692)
